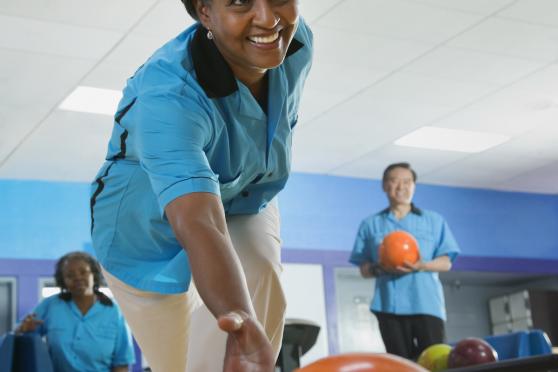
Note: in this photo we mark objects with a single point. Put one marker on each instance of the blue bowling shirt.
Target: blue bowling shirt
(94, 342)
(185, 124)
(414, 293)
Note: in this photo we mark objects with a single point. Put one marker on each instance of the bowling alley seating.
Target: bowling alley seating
(299, 336)
(6, 352)
(24, 353)
(520, 344)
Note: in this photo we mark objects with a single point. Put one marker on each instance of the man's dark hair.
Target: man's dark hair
(191, 9)
(95, 270)
(398, 165)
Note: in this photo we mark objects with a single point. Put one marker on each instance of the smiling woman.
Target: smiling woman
(201, 146)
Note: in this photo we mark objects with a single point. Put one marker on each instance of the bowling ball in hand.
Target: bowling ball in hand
(435, 357)
(471, 351)
(362, 362)
(398, 247)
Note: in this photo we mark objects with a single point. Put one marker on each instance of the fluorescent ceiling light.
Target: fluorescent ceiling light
(92, 100)
(451, 139)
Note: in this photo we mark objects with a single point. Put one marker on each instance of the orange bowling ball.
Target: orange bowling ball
(362, 362)
(397, 247)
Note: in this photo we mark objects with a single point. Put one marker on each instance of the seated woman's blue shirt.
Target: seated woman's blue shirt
(94, 342)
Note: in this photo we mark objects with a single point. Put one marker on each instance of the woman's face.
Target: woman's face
(252, 35)
(78, 277)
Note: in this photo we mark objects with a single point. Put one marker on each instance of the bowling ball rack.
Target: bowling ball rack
(540, 363)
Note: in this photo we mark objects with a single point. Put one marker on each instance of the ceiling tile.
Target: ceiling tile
(373, 163)
(31, 85)
(15, 123)
(511, 38)
(542, 179)
(382, 68)
(544, 12)
(54, 38)
(472, 66)
(475, 6)
(312, 10)
(77, 158)
(399, 19)
(496, 122)
(316, 102)
(481, 170)
(363, 51)
(539, 143)
(404, 87)
(27, 79)
(104, 14)
(543, 83)
(167, 19)
(512, 111)
(123, 61)
(354, 128)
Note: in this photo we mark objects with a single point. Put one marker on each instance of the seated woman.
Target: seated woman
(85, 329)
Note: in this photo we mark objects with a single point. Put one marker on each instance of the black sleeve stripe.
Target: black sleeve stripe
(124, 135)
(100, 187)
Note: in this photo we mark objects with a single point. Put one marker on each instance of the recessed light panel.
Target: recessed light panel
(451, 139)
(92, 100)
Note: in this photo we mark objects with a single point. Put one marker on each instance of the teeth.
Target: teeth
(264, 39)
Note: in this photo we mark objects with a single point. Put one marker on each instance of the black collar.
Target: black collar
(213, 72)
(414, 210)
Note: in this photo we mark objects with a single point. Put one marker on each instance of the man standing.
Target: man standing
(408, 301)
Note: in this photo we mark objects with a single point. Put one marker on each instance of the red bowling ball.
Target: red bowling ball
(471, 351)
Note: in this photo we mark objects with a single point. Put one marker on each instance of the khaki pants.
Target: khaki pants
(177, 333)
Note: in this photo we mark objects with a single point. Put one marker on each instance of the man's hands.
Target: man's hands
(248, 349)
(369, 269)
(29, 324)
(409, 267)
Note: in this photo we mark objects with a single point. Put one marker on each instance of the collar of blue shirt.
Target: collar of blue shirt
(414, 210)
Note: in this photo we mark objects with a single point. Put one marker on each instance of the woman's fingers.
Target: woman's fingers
(231, 322)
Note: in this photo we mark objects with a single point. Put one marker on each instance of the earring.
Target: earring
(209, 35)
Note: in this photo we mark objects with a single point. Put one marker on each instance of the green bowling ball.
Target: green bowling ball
(435, 357)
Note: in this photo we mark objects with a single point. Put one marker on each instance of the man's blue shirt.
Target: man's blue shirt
(415, 293)
(185, 125)
(94, 342)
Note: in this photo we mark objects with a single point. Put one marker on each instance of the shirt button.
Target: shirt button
(245, 193)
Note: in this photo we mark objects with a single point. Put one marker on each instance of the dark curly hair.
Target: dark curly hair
(191, 9)
(95, 270)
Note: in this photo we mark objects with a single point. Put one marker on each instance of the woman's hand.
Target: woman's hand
(29, 324)
(248, 349)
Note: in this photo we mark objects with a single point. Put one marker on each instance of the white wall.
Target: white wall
(304, 289)
(357, 327)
